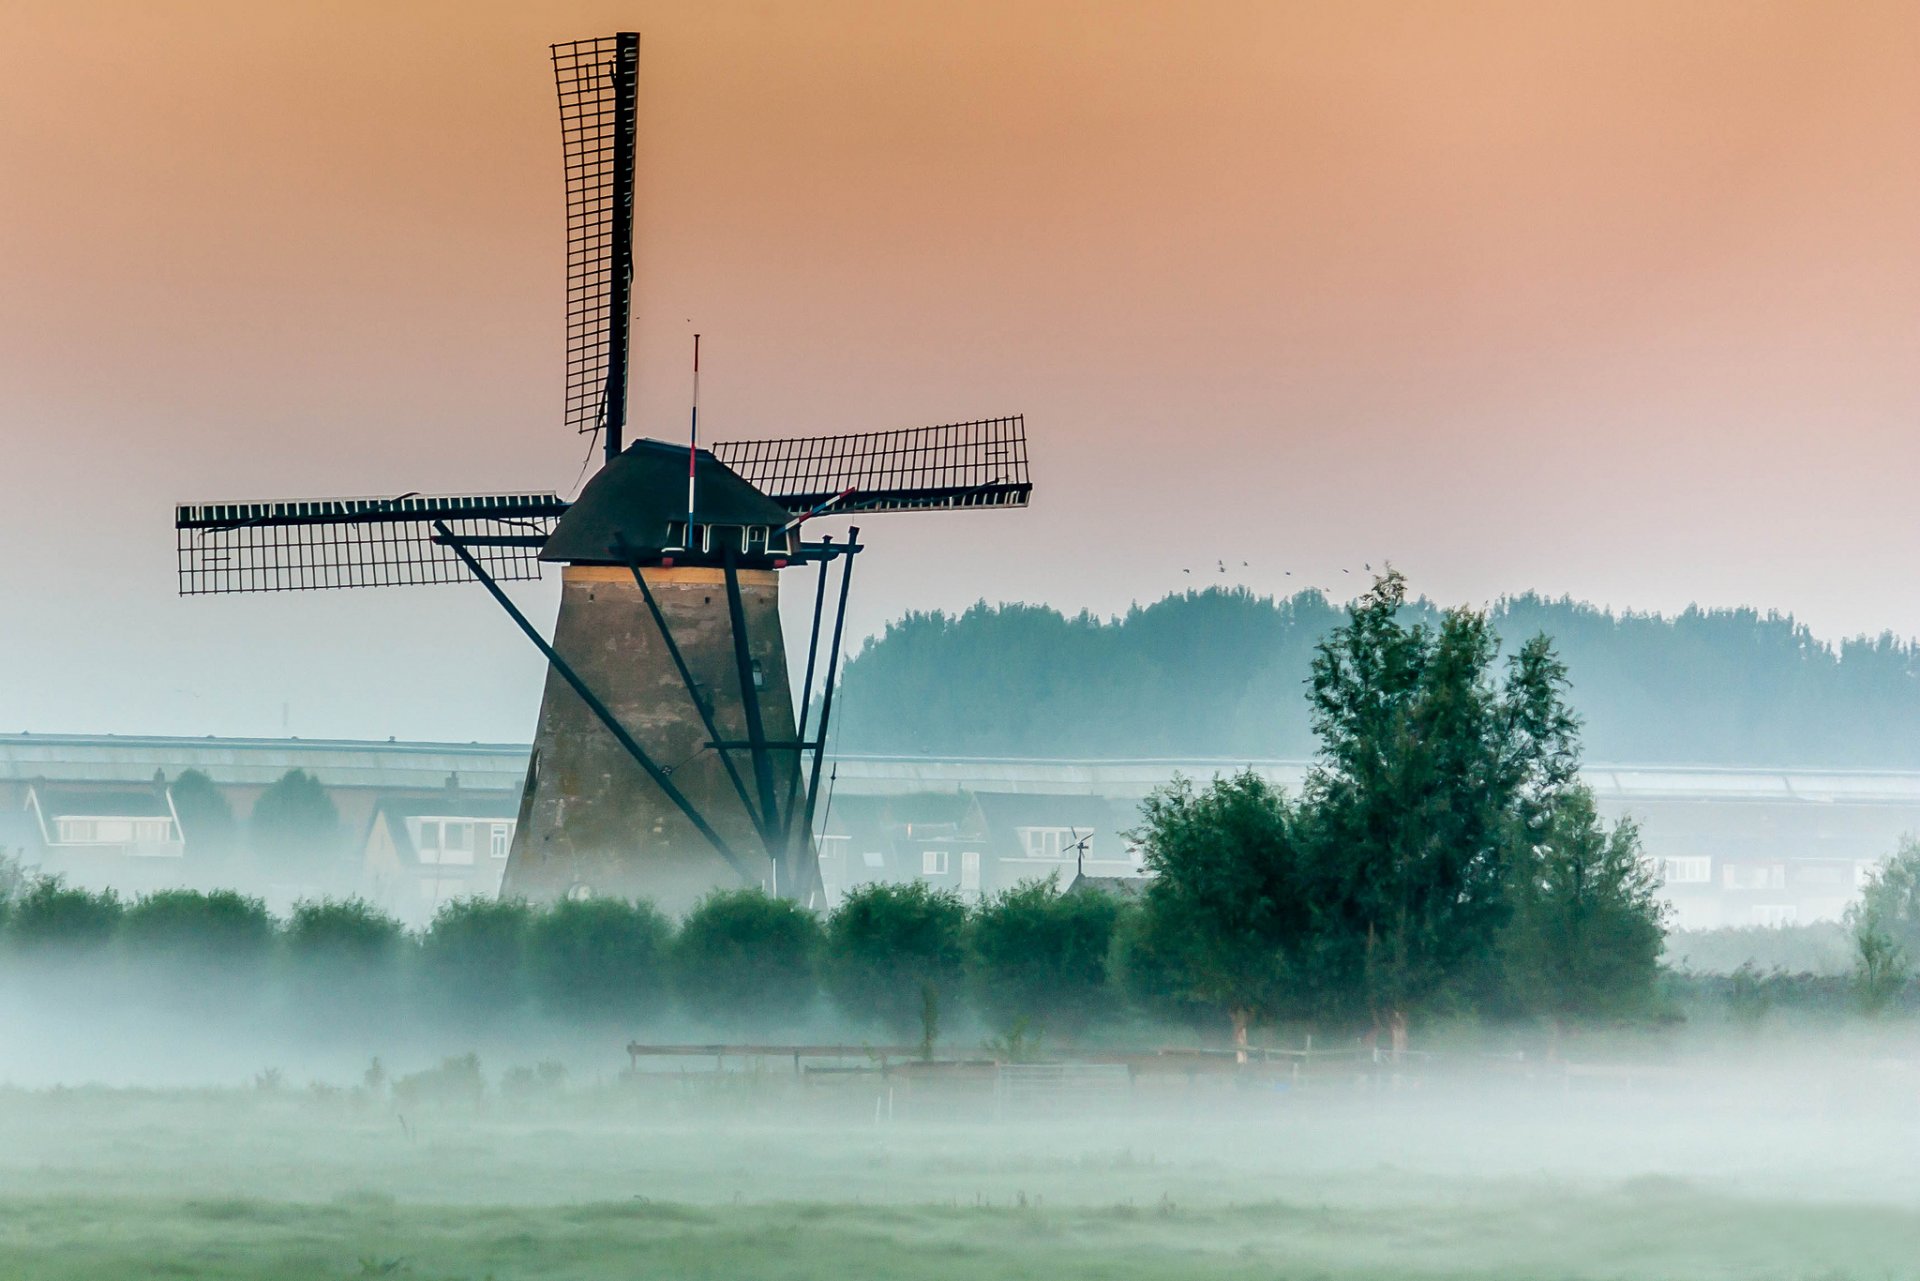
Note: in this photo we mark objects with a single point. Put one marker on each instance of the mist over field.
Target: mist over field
(222, 1148)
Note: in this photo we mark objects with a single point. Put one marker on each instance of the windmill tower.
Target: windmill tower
(668, 759)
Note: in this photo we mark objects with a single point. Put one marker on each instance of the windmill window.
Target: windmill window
(756, 540)
(759, 675)
(676, 533)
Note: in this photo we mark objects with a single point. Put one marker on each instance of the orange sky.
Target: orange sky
(1614, 299)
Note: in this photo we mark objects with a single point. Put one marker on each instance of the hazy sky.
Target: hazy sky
(1611, 299)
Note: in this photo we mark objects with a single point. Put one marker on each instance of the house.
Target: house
(886, 838)
(124, 837)
(1030, 836)
(426, 849)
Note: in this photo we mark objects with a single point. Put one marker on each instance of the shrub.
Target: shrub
(599, 959)
(51, 916)
(473, 955)
(889, 946)
(747, 960)
(221, 929)
(1039, 957)
(343, 952)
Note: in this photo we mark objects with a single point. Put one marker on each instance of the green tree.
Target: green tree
(888, 946)
(1411, 800)
(473, 956)
(1228, 909)
(1885, 924)
(296, 827)
(600, 960)
(1587, 928)
(206, 820)
(52, 918)
(745, 959)
(1038, 957)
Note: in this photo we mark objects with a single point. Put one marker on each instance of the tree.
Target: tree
(473, 956)
(295, 826)
(1457, 862)
(1038, 957)
(745, 959)
(1885, 923)
(1410, 801)
(1227, 910)
(888, 946)
(1587, 927)
(206, 820)
(600, 960)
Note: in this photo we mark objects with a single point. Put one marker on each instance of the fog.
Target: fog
(168, 1127)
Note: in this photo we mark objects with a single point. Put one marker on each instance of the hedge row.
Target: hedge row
(892, 957)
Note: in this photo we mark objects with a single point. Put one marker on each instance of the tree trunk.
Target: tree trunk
(1240, 1021)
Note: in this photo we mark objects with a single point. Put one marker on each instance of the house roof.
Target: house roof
(71, 802)
(1120, 887)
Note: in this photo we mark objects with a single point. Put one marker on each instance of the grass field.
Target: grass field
(1774, 1172)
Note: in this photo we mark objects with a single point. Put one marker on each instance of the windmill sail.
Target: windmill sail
(958, 465)
(597, 81)
(310, 545)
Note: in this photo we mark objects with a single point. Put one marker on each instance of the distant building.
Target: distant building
(124, 837)
(425, 850)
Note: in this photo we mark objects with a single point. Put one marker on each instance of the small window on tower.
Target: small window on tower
(676, 533)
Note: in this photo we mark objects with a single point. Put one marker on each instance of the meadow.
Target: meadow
(1766, 1161)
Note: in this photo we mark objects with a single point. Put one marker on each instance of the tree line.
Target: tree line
(1218, 674)
(1443, 858)
(895, 960)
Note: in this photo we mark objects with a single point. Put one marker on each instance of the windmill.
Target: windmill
(668, 759)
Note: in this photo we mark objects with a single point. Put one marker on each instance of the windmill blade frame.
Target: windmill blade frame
(598, 85)
(953, 466)
(232, 548)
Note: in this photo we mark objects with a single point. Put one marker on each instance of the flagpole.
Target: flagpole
(693, 437)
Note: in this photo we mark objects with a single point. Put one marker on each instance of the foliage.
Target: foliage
(1229, 905)
(1038, 957)
(1444, 855)
(221, 929)
(52, 916)
(744, 958)
(206, 820)
(1217, 673)
(295, 826)
(1412, 803)
(1586, 935)
(1885, 924)
(888, 946)
(473, 955)
(344, 957)
(600, 959)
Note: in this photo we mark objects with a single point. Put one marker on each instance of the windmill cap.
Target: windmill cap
(637, 500)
